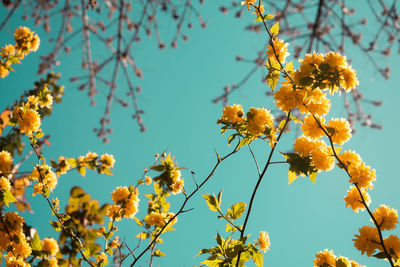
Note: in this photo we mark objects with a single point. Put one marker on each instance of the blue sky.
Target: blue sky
(178, 86)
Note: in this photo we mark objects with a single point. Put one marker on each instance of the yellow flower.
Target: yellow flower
(50, 245)
(34, 43)
(353, 199)
(120, 194)
(248, 3)
(342, 130)
(52, 262)
(22, 248)
(362, 175)
(131, 208)
(45, 177)
(32, 101)
(259, 10)
(280, 50)
(263, 241)
(311, 128)
(22, 33)
(309, 62)
(367, 241)
(12, 261)
(5, 161)
(258, 120)
(28, 120)
(107, 160)
(114, 212)
(91, 156)
(233, 114)
(177, 186)
(102, 258)
(286, 98)
(8, 50)
(15, 223)
(324, 257)
(335, 60)
(350, 158)
(156, 219)
(392, 243)
(321, 159)
(63, 165)
(386, 217)
(124, 200)
(3, 71)
(349, 79)
(47, 102)
(303, 145)
(316, 102)
(5, 184)
(148, 180)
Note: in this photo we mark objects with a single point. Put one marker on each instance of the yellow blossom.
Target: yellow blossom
(350, 158)
(316, 103)
(22, 248)
(107, 160)
(324, 257)
(8, 50)
(5, 184)
(362, 175)
(47, 101)
(154, 218)
(349, 79)
(258, 120)
(3, 71)
(287, 99)
(263, 241)
(392, 243)
(177, 186)
(335, 60)
(248, 3)
(280, 48)
(386, 217)
(233, 114)
(341, 130)
(28, 120)
(63, 165)
(259, 10)
(367, 241)
(303, 145)
(148, 180)
(50, 245)
(321, 159)
(311, 128)
(5, 162)
(13, 261)
(102, 258)
(45, 176)
(353, 199)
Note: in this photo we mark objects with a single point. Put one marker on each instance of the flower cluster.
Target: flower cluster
(328, 258)
(258, 123)
(263, 241)
(13, 240)
(126, 203)
(26, 42)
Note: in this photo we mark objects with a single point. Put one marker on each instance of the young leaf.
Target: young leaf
(158, 253)
(275, 29)
(36, 244)
(230, 228)
(7, 197)
(211, 202)
(236, 211)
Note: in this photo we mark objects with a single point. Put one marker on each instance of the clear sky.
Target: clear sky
(178, 86)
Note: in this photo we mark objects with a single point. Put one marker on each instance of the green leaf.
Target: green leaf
(143, 235)
(245, 141)
(158, 253)
(77, 192)
(296, 120)
(219, 197)
(231, 138)
(203, 251)
(72, 162)
(219, 239)
(380, 255)
(269, 16)
(158, 168)
(36, 243)
(82, 171)
(138, 222)
(281, 124)
(7, 197)
(211, 202)
(313, 176)
(272, 78)
(292, 176)
(213, 261)
(289, 67)
(230, 228)
(299, 166)
(256, 256)
(56, 225)
(236, 210)
(275, 29)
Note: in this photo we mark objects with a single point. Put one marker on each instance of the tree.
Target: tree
(165, 174)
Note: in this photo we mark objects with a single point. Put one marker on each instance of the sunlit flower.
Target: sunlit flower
(386, 217)
(5, 184)
(5, 161)
(248, 3)
(28, 120)
(316, 103)
(350, 158)
(350, 80)
(233, 114)
(335, 60)
(311, 128)
(50, 245)
(324, 257)
(102, 258)
(107, 160)
(148, 180)
(287, 99)
(3, 71)
(342, 130)
(392, 243)
(177, 186)
(258, 120)
(362, 175)
(353, 199)
(154, 218)
(22, 248)
(280, 48)
(367, 241)
(321, 159)
(263, 241)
